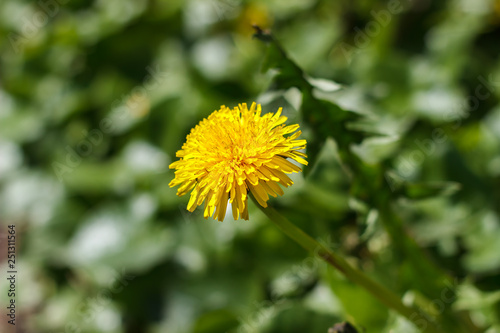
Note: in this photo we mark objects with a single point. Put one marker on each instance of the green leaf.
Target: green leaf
(325, 118)
(216, 321)
(358, 304)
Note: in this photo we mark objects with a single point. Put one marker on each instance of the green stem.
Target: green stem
(383, 294)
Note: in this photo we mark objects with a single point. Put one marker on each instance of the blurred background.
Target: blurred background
(97, 96)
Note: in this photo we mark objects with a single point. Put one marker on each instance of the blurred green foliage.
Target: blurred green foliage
(399, 101)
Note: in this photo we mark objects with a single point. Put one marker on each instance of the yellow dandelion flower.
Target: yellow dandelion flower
(235, 151)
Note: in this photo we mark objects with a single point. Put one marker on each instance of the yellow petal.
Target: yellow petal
(259, 193)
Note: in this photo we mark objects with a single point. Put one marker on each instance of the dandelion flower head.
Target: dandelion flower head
(234, 152)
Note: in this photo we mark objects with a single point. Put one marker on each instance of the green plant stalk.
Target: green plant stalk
(383, 294)
(433, 278)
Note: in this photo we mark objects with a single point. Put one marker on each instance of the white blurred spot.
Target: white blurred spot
(107, 320)
(432, 102)
(193, 260)
(10, 157)
(143, 206)
(492, 122)
(198, 15)
(96, 238)
(7, 104)
(294, 97)
(322, 300)
(479, 7)
(323, 84)
(142, 157)
(30, 196)
(211, 56)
